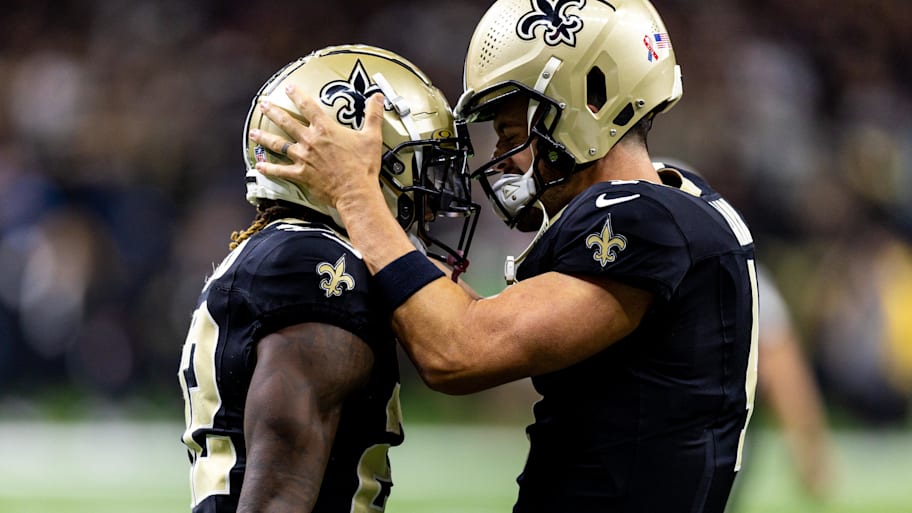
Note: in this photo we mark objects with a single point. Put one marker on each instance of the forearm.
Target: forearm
(458, 349)
(461, 344)
(372, 228)
(438, 340)
(531, 328)
(465, 286)
(793, 396)
(792, 392)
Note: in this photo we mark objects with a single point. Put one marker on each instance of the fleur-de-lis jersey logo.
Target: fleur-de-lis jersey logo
(559, 27)
(354, 92)
(605, 243)
(336, 278)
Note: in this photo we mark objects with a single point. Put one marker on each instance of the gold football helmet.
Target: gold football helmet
(423, 173)
(591, 70)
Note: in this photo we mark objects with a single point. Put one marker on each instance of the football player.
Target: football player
(289, 368)
(634, 311)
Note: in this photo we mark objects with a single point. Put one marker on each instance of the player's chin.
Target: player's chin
(529, 219)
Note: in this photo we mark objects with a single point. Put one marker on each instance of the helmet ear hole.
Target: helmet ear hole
(596, 93)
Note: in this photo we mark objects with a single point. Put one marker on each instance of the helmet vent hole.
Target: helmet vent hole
(596, 92)
(499, 34)
(492, 46)
(625, 116)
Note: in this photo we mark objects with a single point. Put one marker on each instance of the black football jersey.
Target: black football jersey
(290, 272)
(654, 422)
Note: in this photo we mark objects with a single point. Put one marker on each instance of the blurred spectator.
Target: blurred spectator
(789, 387)
(863, 323)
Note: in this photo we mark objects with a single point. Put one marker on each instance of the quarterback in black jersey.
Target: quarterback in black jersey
(634, 310)
(666, 404)
(289, 369)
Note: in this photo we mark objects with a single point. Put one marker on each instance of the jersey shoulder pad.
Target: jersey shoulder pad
(295, 273)
(310, 257)
(623, 230)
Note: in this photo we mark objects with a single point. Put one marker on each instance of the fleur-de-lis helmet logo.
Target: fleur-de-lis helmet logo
(559, 27)
(336, 278)
(354, 92)
(605, 242)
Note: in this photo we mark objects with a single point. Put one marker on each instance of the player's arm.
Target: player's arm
(302, 376)
(789, 386)
(540, 325)
(460, 343)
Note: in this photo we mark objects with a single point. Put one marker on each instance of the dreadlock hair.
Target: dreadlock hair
(272, 210)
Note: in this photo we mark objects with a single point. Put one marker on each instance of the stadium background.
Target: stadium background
(121, 179)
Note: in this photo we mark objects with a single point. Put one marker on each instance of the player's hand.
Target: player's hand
(331, 161)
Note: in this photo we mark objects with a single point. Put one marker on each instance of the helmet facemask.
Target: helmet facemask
(439, 192)
(512, 195)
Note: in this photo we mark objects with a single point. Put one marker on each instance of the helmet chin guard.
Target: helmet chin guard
(513, 193)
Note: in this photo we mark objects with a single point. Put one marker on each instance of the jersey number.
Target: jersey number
(743, 234)
(212, 456)
(750, 383)
(374, 476)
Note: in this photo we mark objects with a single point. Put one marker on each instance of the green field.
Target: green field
(125, 467)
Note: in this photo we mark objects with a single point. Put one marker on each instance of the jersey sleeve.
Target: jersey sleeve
(625, 235)
(308, 277)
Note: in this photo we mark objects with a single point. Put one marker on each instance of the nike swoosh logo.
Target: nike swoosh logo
(602, 201)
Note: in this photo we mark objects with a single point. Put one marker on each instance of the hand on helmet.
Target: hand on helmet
(328, 159)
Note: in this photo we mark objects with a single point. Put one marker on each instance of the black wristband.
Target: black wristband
(404, 276)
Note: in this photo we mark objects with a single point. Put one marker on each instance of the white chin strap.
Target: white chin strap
(511, 261)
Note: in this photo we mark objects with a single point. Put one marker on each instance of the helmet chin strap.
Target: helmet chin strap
(511, 261)
(522, 188)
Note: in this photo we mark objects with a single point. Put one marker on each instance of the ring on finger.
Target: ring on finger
(285, 147)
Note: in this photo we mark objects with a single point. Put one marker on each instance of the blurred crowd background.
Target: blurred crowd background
(121, 174)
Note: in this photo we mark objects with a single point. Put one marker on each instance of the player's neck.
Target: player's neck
(625, 162)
